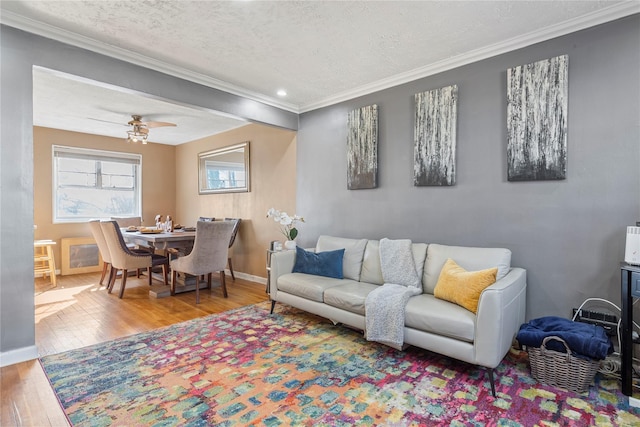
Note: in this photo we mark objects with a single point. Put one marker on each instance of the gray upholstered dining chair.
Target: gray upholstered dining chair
(98, 236)
(129, 221)
(123, 258)
(209, 255)
(234, 233)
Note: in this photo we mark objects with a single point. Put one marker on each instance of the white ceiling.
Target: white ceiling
(63, 101)
(320, 52)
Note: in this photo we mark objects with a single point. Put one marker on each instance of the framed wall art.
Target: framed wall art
(362, 148)
(537, 98)
(434, 160)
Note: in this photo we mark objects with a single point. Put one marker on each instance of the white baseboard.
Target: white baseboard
(23, 354)
(249, 277)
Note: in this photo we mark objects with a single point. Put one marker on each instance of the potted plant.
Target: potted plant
(287, 225)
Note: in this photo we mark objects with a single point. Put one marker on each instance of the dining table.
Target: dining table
(163, 241)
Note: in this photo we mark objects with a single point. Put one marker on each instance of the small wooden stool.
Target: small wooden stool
(44, 262)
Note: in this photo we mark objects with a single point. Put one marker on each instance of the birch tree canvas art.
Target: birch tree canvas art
(435, 137)
(362, 148)
(537, 96)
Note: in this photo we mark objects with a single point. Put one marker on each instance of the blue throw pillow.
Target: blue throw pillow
(328, 264)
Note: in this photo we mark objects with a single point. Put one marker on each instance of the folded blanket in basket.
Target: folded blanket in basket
(582, 338)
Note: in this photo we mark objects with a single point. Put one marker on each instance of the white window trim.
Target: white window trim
(136, 158)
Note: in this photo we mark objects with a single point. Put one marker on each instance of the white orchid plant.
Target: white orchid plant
(287, 222)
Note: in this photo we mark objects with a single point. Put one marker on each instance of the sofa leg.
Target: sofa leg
(491, 381)
(273, 305)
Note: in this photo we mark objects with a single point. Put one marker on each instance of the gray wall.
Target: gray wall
(568, 234)
(19, 52)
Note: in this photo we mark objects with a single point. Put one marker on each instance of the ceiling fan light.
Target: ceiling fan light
(140, 130)
(134, 137)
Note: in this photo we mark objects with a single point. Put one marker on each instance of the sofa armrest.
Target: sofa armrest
(501, 311)
(281, 263)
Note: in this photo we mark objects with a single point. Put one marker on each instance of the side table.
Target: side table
(269, 253)
(630, 288)
(272, 250)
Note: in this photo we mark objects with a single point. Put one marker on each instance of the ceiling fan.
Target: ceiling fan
(140, 130)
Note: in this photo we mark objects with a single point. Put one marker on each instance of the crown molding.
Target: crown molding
(602, 16)
(51, 32)
(617, 11)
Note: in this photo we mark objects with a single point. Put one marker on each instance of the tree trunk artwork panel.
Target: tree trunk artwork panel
(537, 96)
(434, 161)
(362, 148)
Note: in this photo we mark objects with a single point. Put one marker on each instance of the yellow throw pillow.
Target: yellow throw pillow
(463, 287)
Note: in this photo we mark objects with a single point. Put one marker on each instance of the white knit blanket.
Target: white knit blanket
(385, 306)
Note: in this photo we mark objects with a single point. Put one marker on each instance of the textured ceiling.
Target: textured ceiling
(320, 52)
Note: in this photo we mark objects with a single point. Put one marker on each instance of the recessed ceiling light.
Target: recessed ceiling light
(282, 92)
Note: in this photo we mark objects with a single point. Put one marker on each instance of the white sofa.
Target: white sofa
(483, 338)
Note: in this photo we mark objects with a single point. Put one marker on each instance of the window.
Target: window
(94, 184)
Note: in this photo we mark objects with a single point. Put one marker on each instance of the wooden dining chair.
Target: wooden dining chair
(209, 255)
(122, 258)
(234, 233)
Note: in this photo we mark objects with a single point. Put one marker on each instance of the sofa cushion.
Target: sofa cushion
(419, 256)
(429, 314)
(371, 270)
(463, 287)
(350, 296)
(396, 261)
(470, 259)
(328, 263)
(353, 253)
(308, 286)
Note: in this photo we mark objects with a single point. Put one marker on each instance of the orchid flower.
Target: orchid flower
(287, 222)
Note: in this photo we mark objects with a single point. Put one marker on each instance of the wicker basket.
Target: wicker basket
(561, 369)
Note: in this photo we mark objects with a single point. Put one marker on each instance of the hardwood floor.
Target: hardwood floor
(79, 312)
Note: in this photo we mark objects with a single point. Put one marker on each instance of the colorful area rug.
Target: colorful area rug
(246, 367)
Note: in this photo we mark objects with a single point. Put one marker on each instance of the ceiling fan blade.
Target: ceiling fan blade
(158, 124)
(106, 121)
